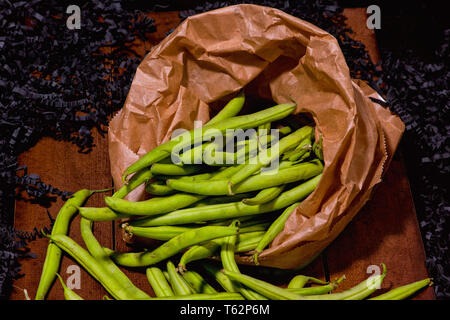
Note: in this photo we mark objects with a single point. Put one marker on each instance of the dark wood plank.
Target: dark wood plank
(386, 229)
(61, 165)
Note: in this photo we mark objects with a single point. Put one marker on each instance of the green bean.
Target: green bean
(198, 283)
(205, 296)
(300, 151)
(159, 188)
(61, 226)
(136, 180)
(222, 279)
(247, 148)
(153, 206)
(265, 195)
(264, 128)
(209, 248)
(163, 233)
(243, 122)
(286, 143)
(69, 294)
(174, 170)
(91, 265)
(199, 252)
(264, 288)
(360, 291)
(317, 290)
(318, 149)
(106, 214)
(250, 243)
(227, 252)
(96, 250)
(259, 181)
(276, 293)
(200, 176)
(161, 205)
(297, 286)
(299, 281)
(179, 285)
(101, 214)
(275, 228)
(173, 246)
(195, 154)
(403, 291)
(221, 199)
(158, 282)
(230, 210)
(231, 109)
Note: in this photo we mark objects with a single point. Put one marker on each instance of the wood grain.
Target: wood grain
(61, 165)
(385, 230)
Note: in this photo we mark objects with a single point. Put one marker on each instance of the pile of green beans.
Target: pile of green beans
(203, 211)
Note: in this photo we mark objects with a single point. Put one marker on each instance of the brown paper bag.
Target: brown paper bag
(215, 54)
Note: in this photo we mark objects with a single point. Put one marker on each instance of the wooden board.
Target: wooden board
(386, 229)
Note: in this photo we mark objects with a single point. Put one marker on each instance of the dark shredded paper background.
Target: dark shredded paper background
(57, 82)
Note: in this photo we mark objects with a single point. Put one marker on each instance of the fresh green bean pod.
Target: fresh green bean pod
(173, 246)
(264, 180)
(194, 177)
(286, 143)
(179, 285)
(174, 170)
(136, 180)
(199, 252)
(163, 233)
(276, 293)
(264, 196)
(205, 296)
(159, 188)
(403, 292)
(196, 135)
(107, 214)
(221, 279)
(221, 199)
(161, 205)
(299, 281)
(359, 292)
(153, 206)
(318, 149)
(250, 243)
(69, 294)
(91, 265)
(227, 251)
(101, 214)
(275, 228)
(158, 282)
(317, 290)
(96, 250)
(231, 109)
(264, 288)
(299, 152)
(230, 210)
(209, 248)
(61, 226)
(197, 282)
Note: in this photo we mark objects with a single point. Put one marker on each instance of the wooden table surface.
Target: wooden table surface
(384, 231)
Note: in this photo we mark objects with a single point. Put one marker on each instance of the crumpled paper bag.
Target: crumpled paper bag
(215, 54)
